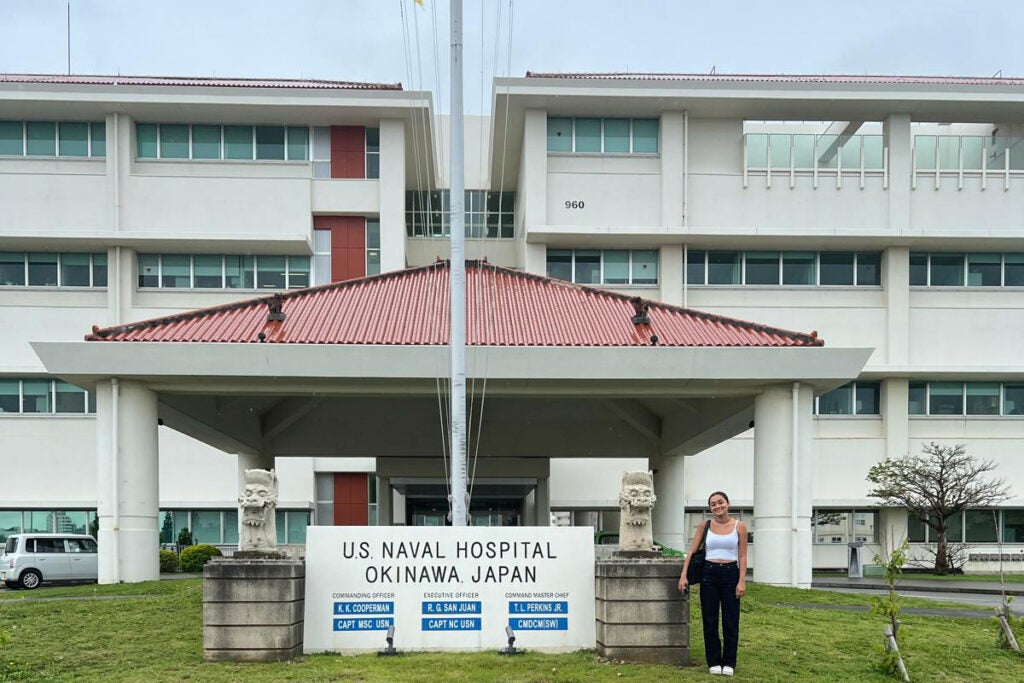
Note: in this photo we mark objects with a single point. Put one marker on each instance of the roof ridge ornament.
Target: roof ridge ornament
(275, 309)
(640, 309)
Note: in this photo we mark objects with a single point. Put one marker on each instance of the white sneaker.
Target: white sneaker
(715, 671)
(727, 671)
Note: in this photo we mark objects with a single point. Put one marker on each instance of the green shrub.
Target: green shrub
(168, 562)
(195, 556)
(185, 537)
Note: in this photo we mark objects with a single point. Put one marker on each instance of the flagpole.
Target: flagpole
(459, 495)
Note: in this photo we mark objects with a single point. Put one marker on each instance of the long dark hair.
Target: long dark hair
(718, 493)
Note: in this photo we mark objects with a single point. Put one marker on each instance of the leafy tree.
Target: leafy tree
(185, 537)
(941, 482)
(167, 530)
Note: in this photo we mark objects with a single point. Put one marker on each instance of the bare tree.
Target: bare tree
(941, 482)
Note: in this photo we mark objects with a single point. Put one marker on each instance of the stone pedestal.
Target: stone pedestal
(641, 615)
(253, 609)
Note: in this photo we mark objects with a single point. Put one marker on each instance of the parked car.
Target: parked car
(30, 559)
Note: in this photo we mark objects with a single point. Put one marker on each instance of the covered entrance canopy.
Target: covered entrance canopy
(354, 369)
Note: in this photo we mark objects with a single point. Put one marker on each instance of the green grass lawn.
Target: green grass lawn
(153, 632)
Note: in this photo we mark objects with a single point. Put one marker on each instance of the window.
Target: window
(372, 247)
(761, 268)
(322, 152)
(487, 214)
(789, 268)
(986, 269)
(966, 398)
(41, 138)
(43, 397)
(213, 271)
(73, 139)
(831, 527)
(855, 398)
(947, 270)
(608, 267)
(291, 526)
(972, 526)
(587, 135)
(321, 256)
(270, 142)
(216, 142)
(206, 142)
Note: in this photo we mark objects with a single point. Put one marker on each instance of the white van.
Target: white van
(30, 559)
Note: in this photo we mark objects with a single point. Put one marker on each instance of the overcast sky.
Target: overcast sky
(365, 40)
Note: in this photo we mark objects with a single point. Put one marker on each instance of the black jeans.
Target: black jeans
(718, 588)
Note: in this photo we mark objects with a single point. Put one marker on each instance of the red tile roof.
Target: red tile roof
(847, 79)
(505, 308)
(207, 81)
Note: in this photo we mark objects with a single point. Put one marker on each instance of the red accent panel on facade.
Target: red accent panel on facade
(348, 152)
(350, 499)
(504, 307)
(348, 245)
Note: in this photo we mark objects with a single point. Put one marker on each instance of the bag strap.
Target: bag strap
(704, 536)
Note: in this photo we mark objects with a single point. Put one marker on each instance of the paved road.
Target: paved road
(974, 599)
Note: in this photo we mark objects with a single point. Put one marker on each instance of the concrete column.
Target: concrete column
(668, 516)
(896, 285)
(672, 169)
(542, 502)
(384, 506)
(897, 139)
(895, 416)
(532, 195)
(128, 500)
(392, 195)
(778, 459)
(671, 274)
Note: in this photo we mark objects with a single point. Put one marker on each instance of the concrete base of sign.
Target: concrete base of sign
(641, 615)
(253, 610)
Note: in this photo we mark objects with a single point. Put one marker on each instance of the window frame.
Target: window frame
(254, 153)
(631, 264)
(602, 134)
(740, 266)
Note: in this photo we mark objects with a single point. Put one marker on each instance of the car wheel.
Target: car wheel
(31, 578)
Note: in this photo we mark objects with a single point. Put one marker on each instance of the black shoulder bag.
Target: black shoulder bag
(695, 570)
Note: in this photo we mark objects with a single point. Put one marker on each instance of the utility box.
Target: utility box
(855, 566)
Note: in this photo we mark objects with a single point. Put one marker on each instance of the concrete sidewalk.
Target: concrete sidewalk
(912, 583)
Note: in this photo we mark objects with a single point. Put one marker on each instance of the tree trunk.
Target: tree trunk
(942, 552)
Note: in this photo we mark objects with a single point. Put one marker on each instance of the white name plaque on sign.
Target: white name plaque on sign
(449, 588)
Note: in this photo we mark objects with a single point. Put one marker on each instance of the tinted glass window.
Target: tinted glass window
(49, 545)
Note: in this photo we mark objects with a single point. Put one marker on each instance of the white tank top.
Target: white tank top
(723, 547)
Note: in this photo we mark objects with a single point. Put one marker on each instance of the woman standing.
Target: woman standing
(723, 584)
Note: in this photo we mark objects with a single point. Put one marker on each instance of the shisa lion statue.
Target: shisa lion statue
(636, 501)
(258, 504)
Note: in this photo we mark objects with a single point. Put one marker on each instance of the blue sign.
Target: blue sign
(539, 623)
(370, 624)
(364, 608)
(450, 607)
(544, 607)
(451, 624)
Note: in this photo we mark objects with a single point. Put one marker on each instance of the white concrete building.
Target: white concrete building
(880, 212)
